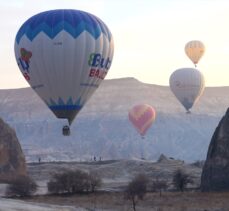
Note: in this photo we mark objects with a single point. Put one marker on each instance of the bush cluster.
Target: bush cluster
(71, 182)
(22, 186)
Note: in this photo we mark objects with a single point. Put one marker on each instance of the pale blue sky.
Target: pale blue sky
(149, 36)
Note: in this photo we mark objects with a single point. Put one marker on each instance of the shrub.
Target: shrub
(198, 163)
(22, 186)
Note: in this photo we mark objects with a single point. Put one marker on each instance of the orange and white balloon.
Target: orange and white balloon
(194, 50)
(142, 117)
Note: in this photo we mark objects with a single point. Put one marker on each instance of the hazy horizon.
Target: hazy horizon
(122, 78)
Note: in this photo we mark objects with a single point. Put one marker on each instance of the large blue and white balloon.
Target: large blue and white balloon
(64, 55)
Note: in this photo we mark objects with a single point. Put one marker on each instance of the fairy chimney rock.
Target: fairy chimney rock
(12, 160)
(215, 172)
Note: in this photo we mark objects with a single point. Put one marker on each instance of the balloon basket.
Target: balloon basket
(66, 130)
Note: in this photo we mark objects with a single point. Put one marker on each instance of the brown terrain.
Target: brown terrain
(169, 201)
(116, 174)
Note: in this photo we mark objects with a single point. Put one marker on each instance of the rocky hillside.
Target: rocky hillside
(102, 128)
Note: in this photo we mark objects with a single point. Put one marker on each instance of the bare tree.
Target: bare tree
(159, 185)
(95, 181)
(136, 189)
(181, 179)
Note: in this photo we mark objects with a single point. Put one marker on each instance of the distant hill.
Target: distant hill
(102, 128)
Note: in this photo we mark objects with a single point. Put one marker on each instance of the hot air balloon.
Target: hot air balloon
(187, 84)
(64, 55)
(194, 50)
(142, 117)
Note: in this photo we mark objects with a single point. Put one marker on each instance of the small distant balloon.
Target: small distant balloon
(194, 50)
(187, 84)
(142, 117)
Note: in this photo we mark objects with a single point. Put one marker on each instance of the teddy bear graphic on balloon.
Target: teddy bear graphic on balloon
(24, 61)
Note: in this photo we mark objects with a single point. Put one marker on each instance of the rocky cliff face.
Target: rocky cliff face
(12, 160)
(215, 175)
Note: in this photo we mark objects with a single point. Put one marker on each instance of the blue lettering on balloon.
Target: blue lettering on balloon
(96, 60)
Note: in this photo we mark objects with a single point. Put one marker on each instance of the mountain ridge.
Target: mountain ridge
(102, 127)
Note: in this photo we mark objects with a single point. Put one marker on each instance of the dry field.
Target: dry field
(169, 201)
(115, 176)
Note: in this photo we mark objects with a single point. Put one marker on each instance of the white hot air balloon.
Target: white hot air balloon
(187, 84)
(194, 50)
(64, 55)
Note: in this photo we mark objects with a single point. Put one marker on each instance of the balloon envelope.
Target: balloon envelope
(142, 117)
(64, 55)
(187, 84)
(194, 50)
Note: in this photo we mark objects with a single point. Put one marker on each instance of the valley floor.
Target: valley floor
(169, 201)
(116, 175)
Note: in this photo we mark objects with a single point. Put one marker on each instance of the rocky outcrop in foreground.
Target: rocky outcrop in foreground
(12, 160)
(215, 174)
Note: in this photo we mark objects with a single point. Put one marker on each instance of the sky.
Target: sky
(149, 36)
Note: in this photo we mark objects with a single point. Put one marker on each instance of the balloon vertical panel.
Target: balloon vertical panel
(105, 48)
(89, 84)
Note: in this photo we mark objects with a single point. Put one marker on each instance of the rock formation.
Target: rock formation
(162, 158)
(12, 160)
(215, 174)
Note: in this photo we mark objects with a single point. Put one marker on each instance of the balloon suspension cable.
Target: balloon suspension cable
(142, 152)
(195, 65)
